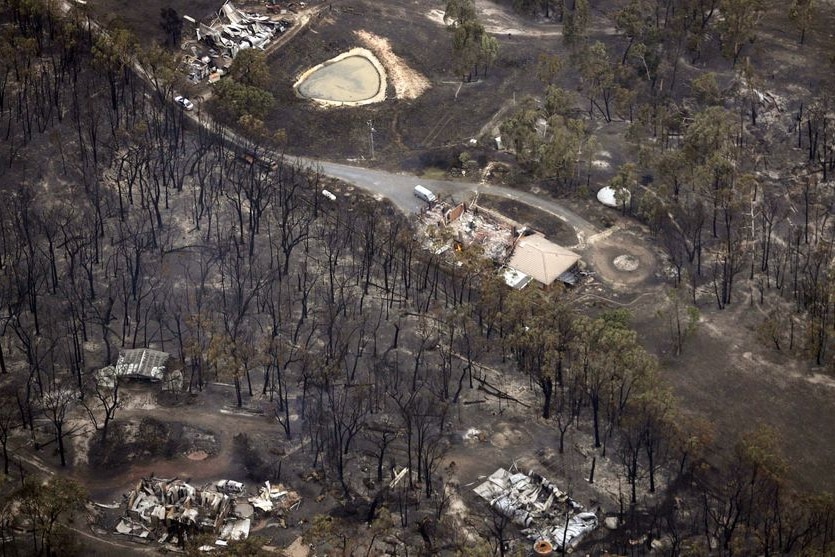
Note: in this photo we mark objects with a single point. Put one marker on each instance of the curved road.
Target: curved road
(398, 188)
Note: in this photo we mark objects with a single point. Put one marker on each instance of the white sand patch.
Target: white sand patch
(137, 399)
(499, 20)
(437, 16)
(84, 433)
(408, 83)
(459, 512)
(197, 455)
(821, 379)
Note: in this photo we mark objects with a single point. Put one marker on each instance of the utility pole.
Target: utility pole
(371, 131)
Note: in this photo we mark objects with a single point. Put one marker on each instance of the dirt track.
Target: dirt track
(204, 414)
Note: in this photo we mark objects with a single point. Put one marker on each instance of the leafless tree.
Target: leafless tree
(104, 386)
(56, 403)
(9, 419)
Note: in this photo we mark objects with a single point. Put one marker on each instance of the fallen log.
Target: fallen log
(496, 392)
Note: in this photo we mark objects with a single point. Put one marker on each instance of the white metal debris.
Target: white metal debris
(162, 504)
(170, 509)
(399, 476)
(572, 533)
(236, 530)
(538, 506)
(235, 30)
(270, 497)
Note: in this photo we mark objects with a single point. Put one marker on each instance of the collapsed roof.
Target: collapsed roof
(235, 30)
(538, 507)
(167, 507)
(167, 510)
(141, 363)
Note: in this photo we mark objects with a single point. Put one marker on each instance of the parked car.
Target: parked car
(184, 102)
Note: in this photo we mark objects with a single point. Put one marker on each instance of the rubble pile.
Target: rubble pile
(523, 254)
(231, 32)
(274, 497)
(169, 510)
(538, 507)
(463, 226)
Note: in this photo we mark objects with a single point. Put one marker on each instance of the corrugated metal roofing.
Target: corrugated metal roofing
(141, 362)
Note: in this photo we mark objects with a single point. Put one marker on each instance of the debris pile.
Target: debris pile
(219, 42)
(234, 30)
(538, 507)
(170, 510)
(275, 497)
(463, 226)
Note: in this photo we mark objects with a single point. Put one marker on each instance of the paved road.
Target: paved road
(398, 187)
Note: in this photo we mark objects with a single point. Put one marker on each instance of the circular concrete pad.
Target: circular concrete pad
(622, 259)
(627, 263)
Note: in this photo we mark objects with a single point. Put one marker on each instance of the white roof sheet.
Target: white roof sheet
(515, 279)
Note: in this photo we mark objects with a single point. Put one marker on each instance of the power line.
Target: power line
(371, 131)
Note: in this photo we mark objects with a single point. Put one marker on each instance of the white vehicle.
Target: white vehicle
(425, 194)
(184, 102)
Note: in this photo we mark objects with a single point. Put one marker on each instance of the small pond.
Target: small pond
(352, 79)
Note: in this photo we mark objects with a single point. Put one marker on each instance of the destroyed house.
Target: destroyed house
(171, 510)
(166, 507)
(160, 503)
(235, 30)
(460, 227)
(141, 363)
(543, 512)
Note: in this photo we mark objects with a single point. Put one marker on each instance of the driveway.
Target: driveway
(398, 188)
